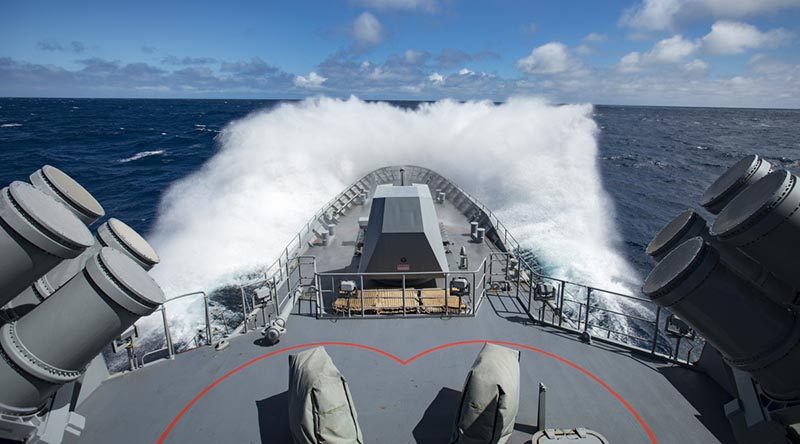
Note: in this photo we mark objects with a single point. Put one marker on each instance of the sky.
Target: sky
(741, 53)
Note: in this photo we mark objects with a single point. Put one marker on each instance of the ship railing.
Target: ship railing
(402, 300)
(633, 322)
(573, 308)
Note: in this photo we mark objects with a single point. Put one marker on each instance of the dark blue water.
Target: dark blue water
(654, 161)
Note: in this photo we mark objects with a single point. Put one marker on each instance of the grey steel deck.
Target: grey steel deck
(409, 401)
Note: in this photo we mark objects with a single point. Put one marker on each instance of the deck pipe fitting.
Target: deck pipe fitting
(733, 181)
(480, 235)
(473, 229)
(689, 224)
(763, 223)
(273, 332)
(36, 233)
(53, 343)
(463, 259)
(440, 197)
(752, 333)
(331, 228)
(61, 187)
(113, 233)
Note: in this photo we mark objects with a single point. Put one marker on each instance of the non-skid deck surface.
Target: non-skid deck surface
(406, 376)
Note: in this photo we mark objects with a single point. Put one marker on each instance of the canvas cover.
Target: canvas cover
(321, 409)
(490, 399)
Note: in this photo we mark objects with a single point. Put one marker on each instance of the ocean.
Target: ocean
(585, 187)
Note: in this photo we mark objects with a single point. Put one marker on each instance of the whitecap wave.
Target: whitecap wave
(141, 155)
(10, 125)
(534, 163)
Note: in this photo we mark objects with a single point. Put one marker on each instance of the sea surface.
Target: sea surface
(654, 161)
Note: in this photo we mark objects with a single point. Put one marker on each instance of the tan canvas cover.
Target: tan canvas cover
(490, 400)
(320, 407)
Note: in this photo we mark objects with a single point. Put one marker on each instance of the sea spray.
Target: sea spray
(533, 163)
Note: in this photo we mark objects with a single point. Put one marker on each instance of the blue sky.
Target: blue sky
(660, 52)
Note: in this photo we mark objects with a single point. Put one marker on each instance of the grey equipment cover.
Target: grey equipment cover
(490, 400)
(320, 407)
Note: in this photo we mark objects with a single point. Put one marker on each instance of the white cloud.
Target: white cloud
(594, 37)
(671, 50)
(658, 15)
(411, 56)
(436, 78)
(696, 66)
(311, 81)
(631, 62)
(763, 64)
(367, 30)
(409, 5)
(734, 38)
(465, 72)
(550, 58)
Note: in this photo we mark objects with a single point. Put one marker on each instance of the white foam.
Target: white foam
(141, 155)
(10, 125)
(534, 163)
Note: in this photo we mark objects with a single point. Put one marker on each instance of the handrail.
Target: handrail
(278, 272)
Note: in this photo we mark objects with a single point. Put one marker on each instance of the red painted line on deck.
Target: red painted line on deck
(402, 362)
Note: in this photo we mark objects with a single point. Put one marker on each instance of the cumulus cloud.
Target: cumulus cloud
(452, 57)
(49, 45)
(696, 66)
(594, 37)
(659, 15)
(550, 58)
(408, 5)
(465, 72)
(367, 30)
(77, 47)
(436, 78)
(670, 50)
(52, 45)
(728, 37)
(187, 61)
(97, 77)
(415, 57)
(311, 81)
(631, 62)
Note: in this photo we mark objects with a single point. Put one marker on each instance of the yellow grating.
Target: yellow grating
(379, 301)
(432, 300)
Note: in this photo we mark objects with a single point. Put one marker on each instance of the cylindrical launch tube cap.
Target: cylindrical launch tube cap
(120, 236)
(733, 181)
(68, 192)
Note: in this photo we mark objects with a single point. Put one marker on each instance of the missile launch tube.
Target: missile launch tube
(733, 181)
(690, 224)
(113, 233)
(53, 343)
(36, 233)
(753, 334)
(764, 223)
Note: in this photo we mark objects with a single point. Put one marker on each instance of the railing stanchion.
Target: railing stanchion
(588, 305)
(209, 338)
(244, 312)
(561, 303)
(361, 294)
(474, 292)
(167, 334)
(655, 331)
